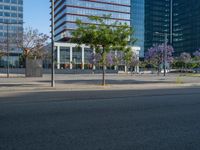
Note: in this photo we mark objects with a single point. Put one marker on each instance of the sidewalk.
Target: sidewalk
(93, 82)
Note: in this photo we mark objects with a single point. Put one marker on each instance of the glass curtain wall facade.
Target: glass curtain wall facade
(186, 25)
(157, 20)
(148, 18)
(68, 11)
(11, 26)
(179, 19)
(137, 22)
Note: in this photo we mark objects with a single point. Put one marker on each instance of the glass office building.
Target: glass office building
(186, 25)
(68, 11)
(137, 21)
(11, 27)
(149, 17)
(157, 20)
(179, 19)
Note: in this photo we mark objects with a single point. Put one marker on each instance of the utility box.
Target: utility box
(34, 67)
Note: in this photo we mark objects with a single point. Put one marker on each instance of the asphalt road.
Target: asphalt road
(101, 120)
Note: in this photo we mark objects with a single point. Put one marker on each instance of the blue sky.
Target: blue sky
(36, 15)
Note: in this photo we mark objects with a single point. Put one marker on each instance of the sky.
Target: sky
(36, 15)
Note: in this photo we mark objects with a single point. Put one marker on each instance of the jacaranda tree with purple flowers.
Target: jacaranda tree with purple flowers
(110, 59)
(185, 58)
(197, 58)
(94, 58)
(197, 55)
(156, 55)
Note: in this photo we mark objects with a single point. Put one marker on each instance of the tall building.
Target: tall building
(137, 21)
(157, 21)
(179, 19)
(11, 28)
(68, 11)
(66, 14)
(150, 19)
(186, 25)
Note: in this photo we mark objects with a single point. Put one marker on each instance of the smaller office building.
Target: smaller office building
(69, 56)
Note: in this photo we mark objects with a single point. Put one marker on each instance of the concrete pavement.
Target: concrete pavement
(79, 82)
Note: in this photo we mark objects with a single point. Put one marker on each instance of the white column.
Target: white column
(125, 69)
(115, 57)
(71, 55)
(58, 57)
(137, 70)
(83, 58)
(138, 67)
(94, 67)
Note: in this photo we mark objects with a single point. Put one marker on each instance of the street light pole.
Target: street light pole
(7, 49)
(52, 46)
(165, 54)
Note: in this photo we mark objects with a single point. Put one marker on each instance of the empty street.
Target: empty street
(101, 120)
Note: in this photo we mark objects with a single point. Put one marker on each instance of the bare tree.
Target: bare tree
(32, 43)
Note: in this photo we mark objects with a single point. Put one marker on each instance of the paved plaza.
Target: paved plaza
(71, 82)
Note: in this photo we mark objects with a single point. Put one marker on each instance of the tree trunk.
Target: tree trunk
(186, 68)
(104, 72)
(104, 69)
(131, 70)
(158, 70)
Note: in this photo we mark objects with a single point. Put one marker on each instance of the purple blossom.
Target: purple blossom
(156, 54)
(120, 58)
(185, 57)
(94, 58)
(197, 53)
(110, 59)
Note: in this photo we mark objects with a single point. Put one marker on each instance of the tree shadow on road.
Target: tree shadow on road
(112, 82)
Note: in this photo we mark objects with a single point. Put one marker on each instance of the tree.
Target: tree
(197, 55)
(185, 58)
(131, 59)
(197, 58)
(94, 58)
(110, 59)
(1, 53)
(103, 38)
(155, 55)
(33, 43)
(118, 59)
